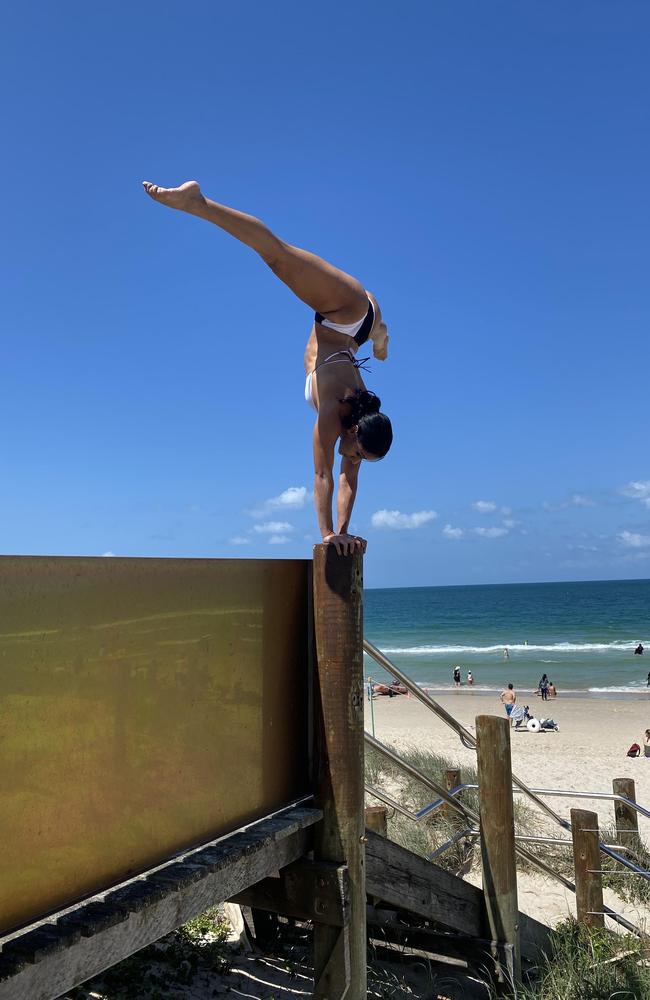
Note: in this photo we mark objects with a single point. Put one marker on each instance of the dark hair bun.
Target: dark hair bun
(362, 403)
(369, 402)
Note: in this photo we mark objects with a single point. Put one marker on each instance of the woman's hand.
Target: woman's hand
(345, 544)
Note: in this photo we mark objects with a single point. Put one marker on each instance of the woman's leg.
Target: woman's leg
(324, 288)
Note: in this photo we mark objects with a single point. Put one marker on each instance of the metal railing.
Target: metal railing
(613, 851)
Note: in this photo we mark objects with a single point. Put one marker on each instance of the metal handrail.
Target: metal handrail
(426, 811)
(420, 776)
(469, 741)
(578, 794)
(464, 735)
(532, 859)
(388, 800)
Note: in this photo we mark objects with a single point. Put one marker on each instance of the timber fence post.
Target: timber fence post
(452, 780)
(498, 844)
(377, 820)
(589, 881)
(340, 953)
(627, 818)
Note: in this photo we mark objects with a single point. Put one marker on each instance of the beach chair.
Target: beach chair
(519, 716)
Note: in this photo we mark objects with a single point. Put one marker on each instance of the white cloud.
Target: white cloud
(239, 540)
(395, 519)
(484, 506)
(509, 522)
(638, 489)
(294, 497)
(580, 500)
(450, 532)
(575, 500)
(273, 528)
(490, 532)
(634, 540)
(108, 555)
(278, 540)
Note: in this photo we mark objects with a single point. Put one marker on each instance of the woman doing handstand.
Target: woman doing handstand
(346, 316)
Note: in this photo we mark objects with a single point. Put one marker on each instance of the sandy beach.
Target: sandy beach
(586, 754)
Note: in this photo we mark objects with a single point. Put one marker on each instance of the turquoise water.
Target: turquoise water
(582, 635)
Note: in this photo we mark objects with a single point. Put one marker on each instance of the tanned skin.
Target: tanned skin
(338, 297)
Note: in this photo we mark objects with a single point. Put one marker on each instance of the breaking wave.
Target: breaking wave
(557, 647)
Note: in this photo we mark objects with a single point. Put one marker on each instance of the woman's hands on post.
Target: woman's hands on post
(345, 544)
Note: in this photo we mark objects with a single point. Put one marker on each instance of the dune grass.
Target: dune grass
(426, 836)
(582, 964)
(423, 838)
(586, 964)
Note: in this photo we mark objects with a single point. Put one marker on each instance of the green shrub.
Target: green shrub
(195, 949)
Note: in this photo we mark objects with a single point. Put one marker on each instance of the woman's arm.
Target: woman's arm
(326, 432)
(324, 442)
(346, 494)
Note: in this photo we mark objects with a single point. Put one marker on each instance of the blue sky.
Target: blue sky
(483, 168)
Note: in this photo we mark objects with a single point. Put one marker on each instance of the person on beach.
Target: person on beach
(346, 316)
(470, 678)
(457, 677)
(552, 690)
(506, 654)
(646, 744)
(508, 698)
(639, 650)
(392, 689)
(543, 687)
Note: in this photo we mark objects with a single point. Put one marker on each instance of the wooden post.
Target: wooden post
(627, 818)
(377, 820)
(586, 855)
(452, 780)
(498, 844)
(340, 953)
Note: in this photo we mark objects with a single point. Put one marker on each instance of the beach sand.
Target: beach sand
(586, 754)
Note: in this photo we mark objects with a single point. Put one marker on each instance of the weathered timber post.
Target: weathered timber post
(498, 844)
(586, 855)
(627, 818)
(452, 780)
(377, 820)
(340, 953)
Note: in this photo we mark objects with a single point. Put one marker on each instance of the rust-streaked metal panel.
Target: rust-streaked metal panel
(145, 705)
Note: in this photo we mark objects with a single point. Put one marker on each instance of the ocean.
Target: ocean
(582, 635)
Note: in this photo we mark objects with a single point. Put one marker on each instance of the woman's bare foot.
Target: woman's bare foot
(187, 197)
(379, 332)
(380, 338)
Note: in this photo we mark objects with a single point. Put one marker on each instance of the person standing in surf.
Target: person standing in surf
(346, 315)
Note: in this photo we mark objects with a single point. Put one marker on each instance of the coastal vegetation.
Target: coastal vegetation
(426, 836)
(582, 963)
(590, 964)
(189, 958)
